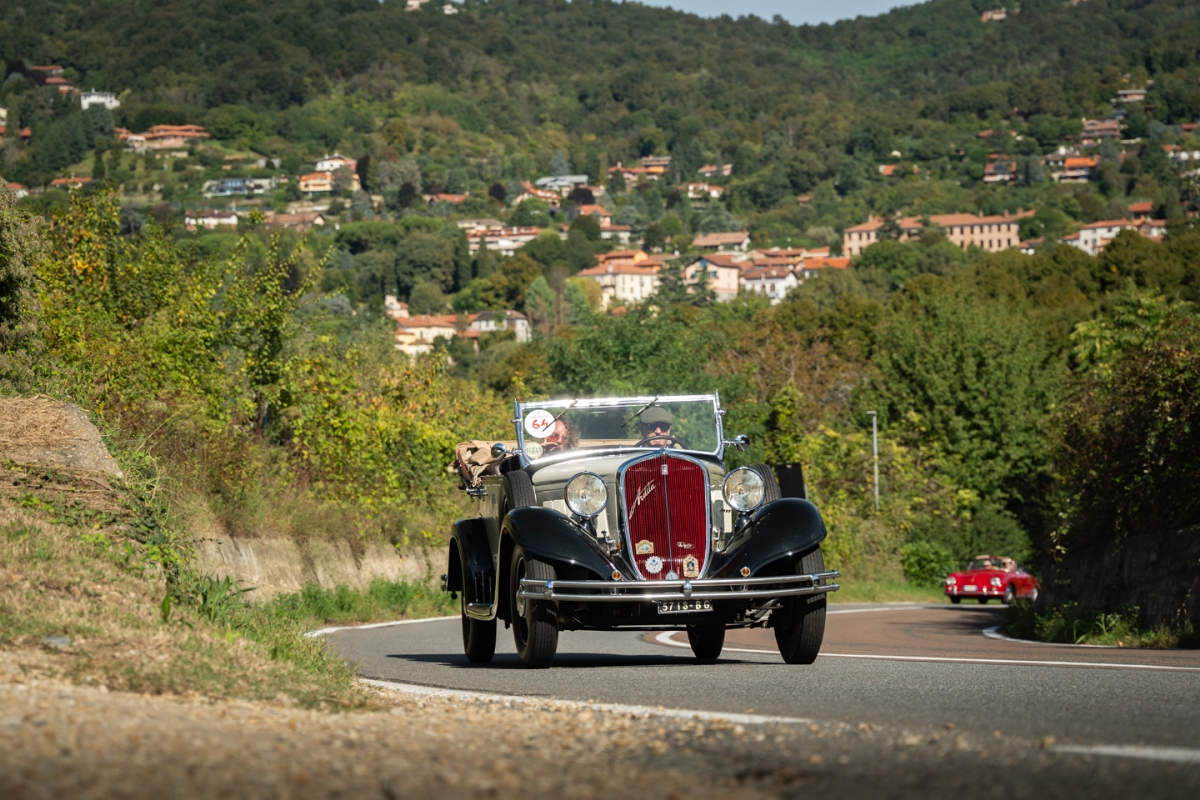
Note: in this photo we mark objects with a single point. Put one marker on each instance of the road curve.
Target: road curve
(907, 667)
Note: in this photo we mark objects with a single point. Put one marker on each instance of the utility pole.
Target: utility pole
(875, 452)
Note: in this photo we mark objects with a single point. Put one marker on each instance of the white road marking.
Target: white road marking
(611, 708)
(327, 631)
(994, 633)
(1181, 755)
(665, 638)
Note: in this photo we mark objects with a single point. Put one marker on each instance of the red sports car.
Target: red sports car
(991, 576)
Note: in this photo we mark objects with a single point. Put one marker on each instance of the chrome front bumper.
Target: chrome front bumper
(699, 589)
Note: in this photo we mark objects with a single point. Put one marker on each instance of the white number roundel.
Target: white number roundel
(539, 423)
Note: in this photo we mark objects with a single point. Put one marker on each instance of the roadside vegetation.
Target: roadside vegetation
(1072, 624)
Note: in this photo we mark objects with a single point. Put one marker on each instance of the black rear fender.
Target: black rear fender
(773, 539)
(470, 555)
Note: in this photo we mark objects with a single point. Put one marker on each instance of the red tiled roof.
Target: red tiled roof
(718, 239)
(1145, 207)
(1108, 223)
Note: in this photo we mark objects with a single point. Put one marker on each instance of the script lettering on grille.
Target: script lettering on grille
(642, 494)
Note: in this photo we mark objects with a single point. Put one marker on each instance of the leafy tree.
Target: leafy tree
(427, 298)
(21, 246)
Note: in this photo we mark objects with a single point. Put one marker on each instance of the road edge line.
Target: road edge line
(335, 629)
(994, 633)
(1178, 755)
(558, 704)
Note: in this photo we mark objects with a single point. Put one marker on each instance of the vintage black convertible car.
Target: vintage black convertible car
(619, 514)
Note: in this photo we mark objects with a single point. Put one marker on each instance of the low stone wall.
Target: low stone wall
(1159, 573)
(280, 565)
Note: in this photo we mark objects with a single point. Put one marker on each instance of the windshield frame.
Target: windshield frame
(633, 402)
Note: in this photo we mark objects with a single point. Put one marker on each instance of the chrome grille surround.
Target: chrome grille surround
(626, 530)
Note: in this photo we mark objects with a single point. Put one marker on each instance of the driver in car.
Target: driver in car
(564, 437)
(655, 426)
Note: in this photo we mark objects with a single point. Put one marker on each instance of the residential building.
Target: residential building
(1130, 96)
(492, 321)
(444, 197)
(299, 221)
(63, 85)
(1140, 212)
(1079, 169)
(562, 185)
(996, 15)
(993, 233)
(621, 233)
(1174, 153)
(238, 187)
(18, 190)
(166, 137)
(474, 225)
(1000, 171)
(449, 8)
(660, 163)
(771, 282)
(209, 220)
(394, 309)
(625, 277)
(723, 274)
(532, 192)
(1096, 129)
(1095, 236)
(704, 191)
(68, 183)
(94, 98)
(505, 241)
(632, 174)
(813, 267)
(733, 240)
(416, 334)
(317, 182)
(39, 74)
(599, 213)
(332, 163)
(715, 170)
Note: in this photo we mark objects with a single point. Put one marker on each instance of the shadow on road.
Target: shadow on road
(561, 661)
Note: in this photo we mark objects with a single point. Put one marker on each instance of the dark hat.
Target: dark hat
(655, 414)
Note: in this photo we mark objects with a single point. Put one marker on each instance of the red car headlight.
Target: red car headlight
(951, 580)
(996, 582)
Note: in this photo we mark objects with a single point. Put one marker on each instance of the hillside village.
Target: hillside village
(721, 218)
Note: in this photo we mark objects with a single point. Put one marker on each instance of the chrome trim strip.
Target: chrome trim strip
(648, 591)
(623, 517)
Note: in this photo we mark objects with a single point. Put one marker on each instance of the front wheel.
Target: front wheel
(479, 636)
(800, 621)
(1010, 594)
(706, 641)
(955, 599)
(983, 601)
(534, 622)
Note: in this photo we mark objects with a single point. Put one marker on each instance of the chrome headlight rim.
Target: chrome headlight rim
(762, 490)
(585, 513)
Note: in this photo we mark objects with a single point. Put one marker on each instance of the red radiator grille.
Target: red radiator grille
(666, 512)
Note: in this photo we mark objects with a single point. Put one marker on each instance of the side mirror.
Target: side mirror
(741, 442)
(499, 451)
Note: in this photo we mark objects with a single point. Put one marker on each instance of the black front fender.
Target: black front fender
(551, 536)
(780, 530)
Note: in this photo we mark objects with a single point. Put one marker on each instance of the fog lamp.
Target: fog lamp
(996, 582)
(586, 494)
(744, 489)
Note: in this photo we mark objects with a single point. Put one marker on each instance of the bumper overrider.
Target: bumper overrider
(699, 589)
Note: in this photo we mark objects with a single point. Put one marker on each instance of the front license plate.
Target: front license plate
(969, 588)
(684, 606)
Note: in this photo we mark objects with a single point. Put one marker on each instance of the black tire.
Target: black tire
(479, 636)
(771, 491)
(983, 601)
(534, 622)
(1010, 594)
(518, 491)
(706, 641)
(955, 600)
(800, 621)
(1034, 594)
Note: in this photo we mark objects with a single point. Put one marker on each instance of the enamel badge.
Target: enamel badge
(644, 547)
(691, 567)
(654, 565)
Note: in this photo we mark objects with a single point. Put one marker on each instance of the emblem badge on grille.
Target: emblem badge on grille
(644, 547)
(684, 545)
(654, 565)
(691, 567)
(642, 494)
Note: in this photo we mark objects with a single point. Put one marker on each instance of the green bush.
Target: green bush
(926, 563)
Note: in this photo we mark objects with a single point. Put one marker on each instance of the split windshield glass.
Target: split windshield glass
(552, 427)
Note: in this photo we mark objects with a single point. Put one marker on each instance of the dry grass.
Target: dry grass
(80, 600)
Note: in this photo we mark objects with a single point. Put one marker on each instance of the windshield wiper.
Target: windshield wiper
(565, 410)
(638, 413)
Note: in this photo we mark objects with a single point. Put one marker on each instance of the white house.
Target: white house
(94, 98)
(209, 220)
(629, 277)
(563, 184)
(771, 282)
(332, 163)
(505, 241)
(490, 321)
(1095, 236)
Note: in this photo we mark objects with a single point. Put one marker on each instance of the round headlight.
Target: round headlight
(586, 494)
(744, 489)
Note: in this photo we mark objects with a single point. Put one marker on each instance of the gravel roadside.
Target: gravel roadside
(63, 740)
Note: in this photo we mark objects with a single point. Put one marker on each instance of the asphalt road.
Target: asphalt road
(895, 688)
